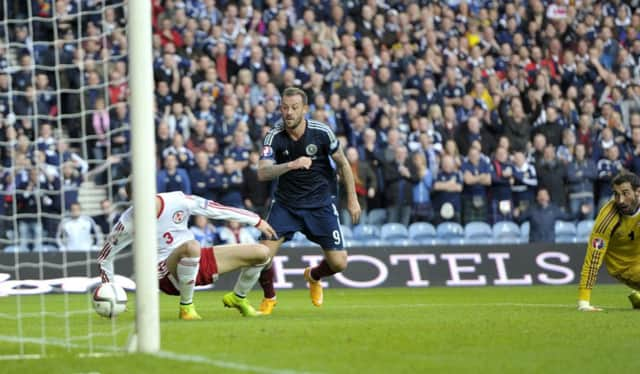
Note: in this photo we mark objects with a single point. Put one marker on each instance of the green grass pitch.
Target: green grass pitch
(495, 330)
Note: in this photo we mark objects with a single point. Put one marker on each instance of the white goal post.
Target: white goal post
(144, 176)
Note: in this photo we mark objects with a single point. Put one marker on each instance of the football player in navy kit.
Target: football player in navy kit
(298, 153)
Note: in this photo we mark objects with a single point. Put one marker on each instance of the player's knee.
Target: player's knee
(191, 249)
(339, 264)
(260, 254)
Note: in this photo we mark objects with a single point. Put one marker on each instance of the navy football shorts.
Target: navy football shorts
(320, 225)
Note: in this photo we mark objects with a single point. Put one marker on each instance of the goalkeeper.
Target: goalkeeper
(613, 241)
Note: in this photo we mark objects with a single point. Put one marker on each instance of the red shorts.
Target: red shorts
(207, 273)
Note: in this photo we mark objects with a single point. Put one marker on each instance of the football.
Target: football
(109, 300)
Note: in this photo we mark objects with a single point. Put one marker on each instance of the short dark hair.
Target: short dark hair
(295, 91)
(626, 177)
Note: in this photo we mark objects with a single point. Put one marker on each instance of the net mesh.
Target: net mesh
(64, 140)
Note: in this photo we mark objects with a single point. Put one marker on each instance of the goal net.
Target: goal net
(65, 158)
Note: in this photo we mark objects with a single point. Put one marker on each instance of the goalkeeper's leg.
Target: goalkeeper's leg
(183, 264)
(631, 277)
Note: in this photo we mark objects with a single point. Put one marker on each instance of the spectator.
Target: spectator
(581, 176)
(213, 153)
(78, 232)
(239, 149)
(180, 120)
(502, 179)
(108, 216)
(542, 218)
(566, 151)
(255, 193)
(552, 175)
(448, 191)
(197, 136)
(172, 178)
(634, 162)
(205, 181)
(371, 153)
(231, 182)
(30, 196)
(476, 174)
(399, 178)
(422, 207)
(607, 168)
(234, 233)
(474, 131)
(525, 182)
(365, 183)
(182, 153)
(205, 232)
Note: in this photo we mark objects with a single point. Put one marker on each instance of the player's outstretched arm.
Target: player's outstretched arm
(213, 210)
(268, 170)
(599, 240)
(267, 230)
(119, 238)
(346, 176)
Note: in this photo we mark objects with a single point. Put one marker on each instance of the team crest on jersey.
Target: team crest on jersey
(267, 151)
(178, 217)
(597, 243)
(311, 149)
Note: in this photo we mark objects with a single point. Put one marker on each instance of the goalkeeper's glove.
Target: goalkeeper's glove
(585, 306)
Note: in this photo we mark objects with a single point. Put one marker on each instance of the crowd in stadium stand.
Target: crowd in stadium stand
(448, 110)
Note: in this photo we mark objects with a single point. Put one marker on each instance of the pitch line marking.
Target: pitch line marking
(223, 364)
(454, 305)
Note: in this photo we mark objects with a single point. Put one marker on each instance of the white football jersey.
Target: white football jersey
(172, 227)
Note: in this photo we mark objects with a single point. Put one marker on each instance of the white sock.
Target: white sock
(187, 270)
(247, 279)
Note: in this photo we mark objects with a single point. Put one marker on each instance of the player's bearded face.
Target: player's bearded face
(626, 199)
(293, 111)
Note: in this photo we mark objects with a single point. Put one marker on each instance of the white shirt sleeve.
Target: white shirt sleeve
(212, 210)
(119, 238)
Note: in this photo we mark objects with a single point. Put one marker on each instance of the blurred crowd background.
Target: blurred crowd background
(449, 111)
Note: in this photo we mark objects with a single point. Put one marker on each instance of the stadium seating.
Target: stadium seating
(423, 233)
(346, 232)
(299, 240)
(506, 232)
(377, 217)
(348, 243)
(565, 232)
(583, 230)
(375, 243)
(366, 232)
(478, 230)
(393, 231)
(452, 232)
(422, 230)
(524, 232)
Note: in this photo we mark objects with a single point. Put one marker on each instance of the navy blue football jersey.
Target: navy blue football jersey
(302, 188)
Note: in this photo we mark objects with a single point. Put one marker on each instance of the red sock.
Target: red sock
(322, 270)
(266, 282)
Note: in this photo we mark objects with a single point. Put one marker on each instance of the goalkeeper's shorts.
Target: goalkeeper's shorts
(207, 273)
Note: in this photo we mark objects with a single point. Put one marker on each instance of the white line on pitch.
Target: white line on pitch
(454, 305)
(223, 364)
